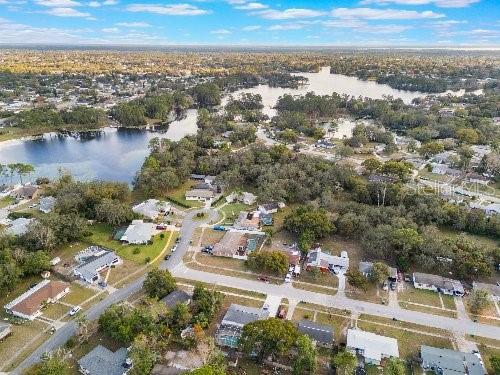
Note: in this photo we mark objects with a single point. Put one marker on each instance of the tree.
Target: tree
(143, 358)
(406, 242)
(113, 212)
(394, 366)
(52, 365)
(180, 317)
(207, 94)
(357, 279)
(372, 165)
(205, 303)
(479, 300)
(270, 337)
(344, 362)
(207, 370)
(159, 283)
(9, 271)
(274, 262)
(309, 224)
(430, 149)
(305, 360)
(495, 363)
(36, 262)
(467, 135)
(379, 272)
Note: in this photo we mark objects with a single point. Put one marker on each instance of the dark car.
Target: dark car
(264, 279)
(178, 239)
(393, 285)
(167, 257)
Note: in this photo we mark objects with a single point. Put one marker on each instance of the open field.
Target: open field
(373, 294)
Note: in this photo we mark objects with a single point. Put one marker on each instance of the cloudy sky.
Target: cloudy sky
(242, 22)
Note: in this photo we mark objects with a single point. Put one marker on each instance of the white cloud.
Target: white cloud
(97, 4)
(439, 3)
(383, 14)
(58, 3)
(220, 32)
(292, 13)
(68, 12)
(364, 27)
(251, 28)
(133, 24)
(11, 32)
(168, 10)
(286, 26)
(94, 4)
(110, 2)
(111, 30)
(251, 6)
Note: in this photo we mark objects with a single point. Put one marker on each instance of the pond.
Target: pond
(117, 154)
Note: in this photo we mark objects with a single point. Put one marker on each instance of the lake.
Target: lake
(117, 154)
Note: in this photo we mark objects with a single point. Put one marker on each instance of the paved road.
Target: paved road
(63, 334)
(341, 302)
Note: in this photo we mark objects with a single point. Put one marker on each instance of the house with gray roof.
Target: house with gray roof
(451, 362)
(372, 347)
(5, 330)
(102, 361)
(438, 284)
(138, 233)
(200, 195)
(325, 262)
(89, 268)
(152, 208)
(47, 204)
(177, 296)
(320, 334)
(19, 226)
(231, 326)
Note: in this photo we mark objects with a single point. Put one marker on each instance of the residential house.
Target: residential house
(493, 289)
(231, 326)
(270, 208)
(232, 245)
(29, 304)
(175, 297)
(325, 262)
(27, 191)
(438, 284)
(450, 362)
(202, 195)
(478, 179)
(320, 334)
(102, 361)
(5, 330)
(366, 269)
(372, 347)
(97, 260)
(247, 198)
(198, 177)
(249, 221)
(266, 219)
(152, 208)
(47, 204)
(492, 209)
(443, 169)
(19, 226)
(138, 233)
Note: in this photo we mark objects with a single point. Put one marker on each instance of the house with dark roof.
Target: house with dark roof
(27, 191)
(175, 297)
(451, 362)
(102, 361)
(29, 304)
(438, 284)
(231, 326)
(320, 334)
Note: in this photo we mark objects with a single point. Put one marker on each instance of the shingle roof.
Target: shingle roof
(320, 332)
(240, 315)
(138, 232)
(30, 301)
(228, 245)
(438, 281)
(373, 345)
(452, 361)
(47, 204)
(151, 208)
(90, 267)
(19, 226)
(200, 193)
(102, 361)
(177, 296)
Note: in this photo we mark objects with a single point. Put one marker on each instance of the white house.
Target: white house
(152, 208)
(138, 232)
(438, 284)
(97, 260)
(372, 347)
(202, 195)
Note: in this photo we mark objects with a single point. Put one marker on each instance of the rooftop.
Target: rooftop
(138, 232)
(151, 208)
(239, 315)
(321, 333)
(452, 362)
(373, 345)
(177, 296)
(438, 281)
(102, 361)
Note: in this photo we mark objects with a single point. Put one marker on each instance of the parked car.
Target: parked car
(219, 227)
(288, 278)
(174, 248)
(102, 284)
(264, 279)
(281, 312)
(74, 310)
(393, 285)
(167, 257)
(161, 226)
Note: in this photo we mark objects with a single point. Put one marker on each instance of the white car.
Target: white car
(288, 278)
(74, 310)
(174, 248)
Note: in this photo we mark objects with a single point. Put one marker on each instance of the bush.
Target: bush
(136, 250)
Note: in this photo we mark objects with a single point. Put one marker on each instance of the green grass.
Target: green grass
(6, 201)
(178, 194)
(428, 309)
(55, 311)
(102, 235)
(77, 294)
(424, 297)
(232, 210)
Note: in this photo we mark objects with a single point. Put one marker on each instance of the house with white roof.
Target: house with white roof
(47, 204)
(372, 347)
(95, 261)
(19, 227)
(152, 208)
(316, 258)
(138, 233)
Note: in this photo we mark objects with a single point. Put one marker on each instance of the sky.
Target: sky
(344, 23)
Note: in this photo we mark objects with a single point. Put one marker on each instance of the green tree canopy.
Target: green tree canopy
(159, 283)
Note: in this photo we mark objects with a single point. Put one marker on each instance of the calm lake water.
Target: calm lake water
(117, 154)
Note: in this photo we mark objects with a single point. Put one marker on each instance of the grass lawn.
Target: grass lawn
(221, 262)
(409, 342)
(373, 294)
(314, 288)
(321, 279)
(102, 235)
(55, 311)
(490, 311)
(6, 201)
(401, 324)
(179, 194)
(210, 237)
(449, 302)
(232, 210)
(486, 353)
(21, 335)
(425, 297)
(428, 309)
(77, 294)
(337, 318)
